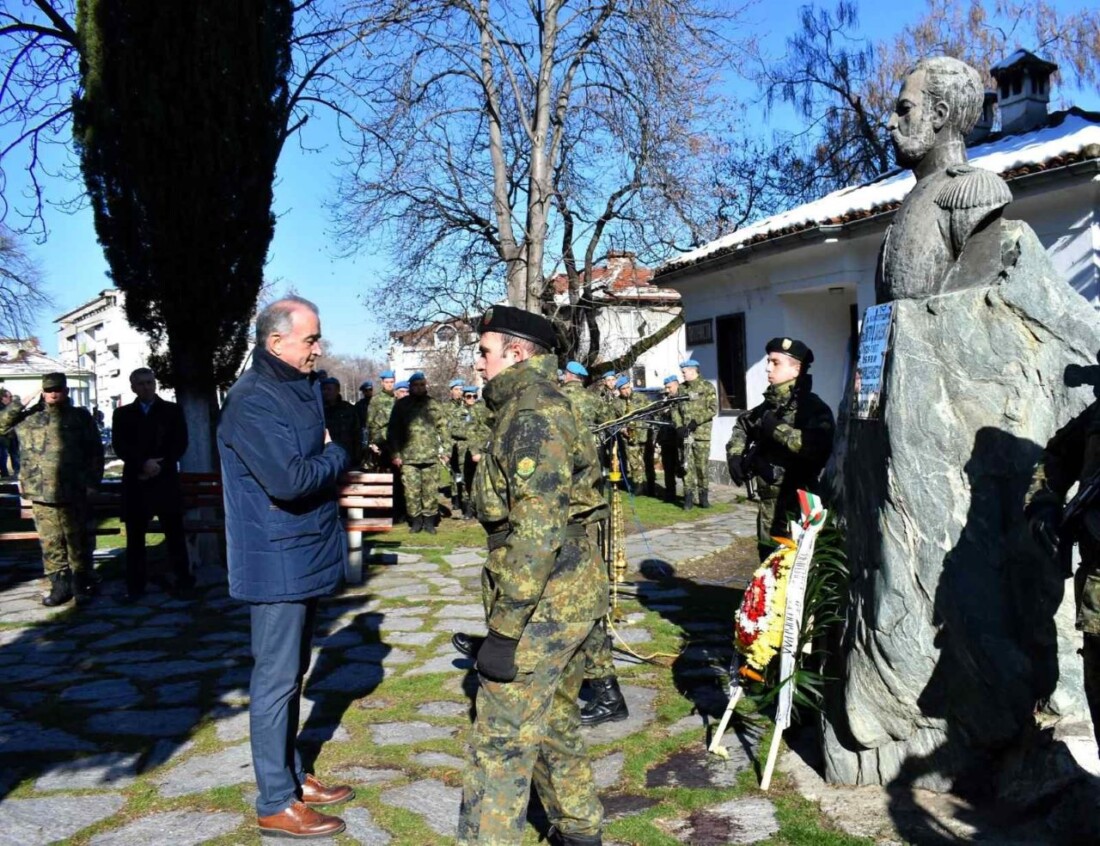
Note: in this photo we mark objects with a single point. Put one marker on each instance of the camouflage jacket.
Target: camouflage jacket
(346, 428)
(800, 444)
(457, 422)
(60, 450)
(699, 411)
(418, 430)
(589, 409)
(539, 476)
(636, 434)
(378, 418)
(478, 428)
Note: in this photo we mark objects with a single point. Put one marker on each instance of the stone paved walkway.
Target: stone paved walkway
(129, 724)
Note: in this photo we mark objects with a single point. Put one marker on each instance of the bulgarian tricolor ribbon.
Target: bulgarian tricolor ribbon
(805, 536)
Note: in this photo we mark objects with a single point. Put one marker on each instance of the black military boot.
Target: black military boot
(704, 499)
(416, 524)
(689, 500)
(607, 705)
(456, 507)
(61, 589)
(84, 586)
(468, 513)
(557, 838)
(430, 523)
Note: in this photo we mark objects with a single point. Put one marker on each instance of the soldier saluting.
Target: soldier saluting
(784, 442)
(544, 587)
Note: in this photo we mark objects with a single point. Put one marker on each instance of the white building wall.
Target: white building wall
(805, 292)
(623, 326)
(97, 337)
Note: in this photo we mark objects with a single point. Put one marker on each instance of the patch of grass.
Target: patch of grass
(651, 513)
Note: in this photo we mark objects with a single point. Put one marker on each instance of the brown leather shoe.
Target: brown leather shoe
(315, 793)
(301, 822)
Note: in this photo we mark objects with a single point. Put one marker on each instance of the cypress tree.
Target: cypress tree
(178, 124)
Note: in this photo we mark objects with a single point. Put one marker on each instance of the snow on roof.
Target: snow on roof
(1018, 57)
(1066, 134)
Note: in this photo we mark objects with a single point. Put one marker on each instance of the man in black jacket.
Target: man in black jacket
(150, 436)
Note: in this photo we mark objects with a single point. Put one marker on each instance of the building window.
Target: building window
(730, 332)
(698, 332)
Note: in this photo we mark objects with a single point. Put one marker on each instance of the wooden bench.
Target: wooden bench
(365, 500)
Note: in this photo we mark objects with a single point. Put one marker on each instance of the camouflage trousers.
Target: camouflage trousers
(695, 473)
(598, 661)
(421, 483)
(63, 534)
(635, 466)
(528, 730)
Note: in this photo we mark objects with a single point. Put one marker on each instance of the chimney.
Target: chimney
(617, 259)
(1023, 91)
(984, 126)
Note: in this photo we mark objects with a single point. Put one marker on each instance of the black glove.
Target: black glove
(1043, 521)
(737, 468)
(768, 423)
(683, 432)
(496, 659)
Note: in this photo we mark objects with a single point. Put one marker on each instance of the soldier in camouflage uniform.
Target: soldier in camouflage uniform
(1071, 456)
(378, 421)
(419, 443)
(478, 429)
(457, 435)
(62, 461)
(693, 420)
(544, 586)
(342, 421)
(784, 442)
(587, 406)
(668, 443)
(634, 437)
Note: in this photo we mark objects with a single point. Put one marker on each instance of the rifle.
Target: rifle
(1073, 515)
(606, 431)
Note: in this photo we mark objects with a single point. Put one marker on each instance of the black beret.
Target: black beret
(792, 347)
(509, 320)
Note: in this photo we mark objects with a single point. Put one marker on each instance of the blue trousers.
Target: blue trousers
(282, 633)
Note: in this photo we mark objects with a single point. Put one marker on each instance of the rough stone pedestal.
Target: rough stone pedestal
(956, 627)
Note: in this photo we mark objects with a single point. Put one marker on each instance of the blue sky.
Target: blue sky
(303, 253)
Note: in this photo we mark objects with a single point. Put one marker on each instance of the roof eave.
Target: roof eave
(744, 253)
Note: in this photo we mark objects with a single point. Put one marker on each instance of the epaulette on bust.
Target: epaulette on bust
(973, 188)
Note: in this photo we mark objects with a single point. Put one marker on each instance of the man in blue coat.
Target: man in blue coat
(286, 549)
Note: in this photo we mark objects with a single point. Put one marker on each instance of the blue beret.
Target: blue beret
(610, 374)
(622, 381)
(402, 385)
(576, 368)
(386, 374)
(671, 379)
(470, 389)
(456, 383)
(330, 380)
(418, 377)
(367, 384)
(691, 362)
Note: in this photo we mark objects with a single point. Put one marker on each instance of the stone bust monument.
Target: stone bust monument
(928, 248)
